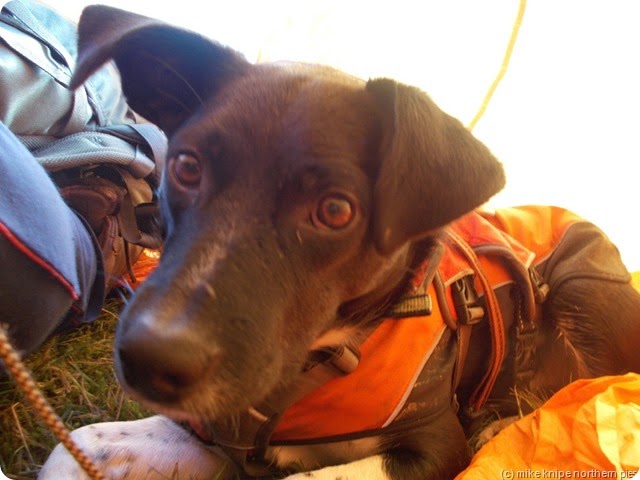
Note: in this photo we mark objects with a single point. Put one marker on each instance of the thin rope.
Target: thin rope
(25, 382)
(503, 68)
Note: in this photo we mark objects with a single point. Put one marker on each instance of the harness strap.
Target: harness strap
(498, 338)
(527, 332)
(245, 439)
(469, 313)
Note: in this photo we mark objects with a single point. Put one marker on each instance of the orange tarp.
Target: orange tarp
(589, 429)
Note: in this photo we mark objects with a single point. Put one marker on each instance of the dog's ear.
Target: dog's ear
(167, 72)
(432, 170)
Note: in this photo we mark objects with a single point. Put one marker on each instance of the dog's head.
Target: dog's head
(290, 193)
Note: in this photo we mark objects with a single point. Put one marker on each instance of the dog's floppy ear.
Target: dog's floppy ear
(432, 170)
(167, 72)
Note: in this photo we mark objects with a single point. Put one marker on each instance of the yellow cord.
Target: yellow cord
(503, 67)
(25, 382)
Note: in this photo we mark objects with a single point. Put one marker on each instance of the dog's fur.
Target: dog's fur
(256, 269)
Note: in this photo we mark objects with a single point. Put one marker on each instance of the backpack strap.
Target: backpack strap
(22, 19)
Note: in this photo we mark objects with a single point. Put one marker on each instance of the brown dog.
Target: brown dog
(299, 205)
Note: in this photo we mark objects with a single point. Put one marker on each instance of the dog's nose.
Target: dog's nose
(161, 366)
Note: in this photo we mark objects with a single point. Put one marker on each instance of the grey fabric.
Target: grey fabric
(65, 128)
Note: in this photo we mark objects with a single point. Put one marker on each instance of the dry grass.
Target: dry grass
(75, 373)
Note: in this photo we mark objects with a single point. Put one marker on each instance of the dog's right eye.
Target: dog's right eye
(334, 211)
(186, 170)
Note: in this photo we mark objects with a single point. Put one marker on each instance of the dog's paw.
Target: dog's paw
(152, 448)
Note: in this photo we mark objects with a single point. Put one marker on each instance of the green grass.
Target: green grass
(75, 373)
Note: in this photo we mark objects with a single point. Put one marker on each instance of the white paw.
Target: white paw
(152, 448)
(369, 468)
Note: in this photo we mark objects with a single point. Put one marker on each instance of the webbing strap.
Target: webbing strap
(246, 438)
(81, 110)
(498, 338)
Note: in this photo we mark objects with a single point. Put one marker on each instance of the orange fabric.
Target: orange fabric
(589, 429)
(371, 397)
(550, 223)
(143, 267)
(344, 405)
(496, 322)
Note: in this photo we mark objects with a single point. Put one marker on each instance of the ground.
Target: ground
(75, 373)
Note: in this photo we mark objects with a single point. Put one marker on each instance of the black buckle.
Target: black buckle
(466, 301)
(540, 288)
(411, 305)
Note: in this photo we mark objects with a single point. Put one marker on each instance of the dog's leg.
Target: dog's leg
(386, 466)
(435, 451)
(596, 330)
(152, 448)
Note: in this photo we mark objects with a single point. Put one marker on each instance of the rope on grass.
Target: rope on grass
(25, 382)
(503, 68)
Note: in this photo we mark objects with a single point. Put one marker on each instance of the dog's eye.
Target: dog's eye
(334, 211)
(186, 170)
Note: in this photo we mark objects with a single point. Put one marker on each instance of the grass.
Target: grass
(75, 373)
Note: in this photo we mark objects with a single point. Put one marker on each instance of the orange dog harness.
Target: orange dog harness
(394, 355)
(409, 367)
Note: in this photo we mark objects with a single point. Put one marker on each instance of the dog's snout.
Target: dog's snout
(161, 366)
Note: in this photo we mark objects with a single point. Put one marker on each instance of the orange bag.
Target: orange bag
(589, 429)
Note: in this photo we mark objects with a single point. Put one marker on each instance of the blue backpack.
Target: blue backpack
(104, 158)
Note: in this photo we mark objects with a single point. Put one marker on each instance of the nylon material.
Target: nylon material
(46, 227)
(91, 287)
(444, 300)
(591, 425)
(526, 257)
(585, 252)
(478, 232)
(93, 147)
(77, 120)
(48, 26)
(516, 271)
(396, 346)
(155, 140)
(35, 142)
(559, 226)
(105, 104)
(432, 390)
(23, 248)
(141, 165)
(410, 386)
(461, 274)
(105, 95)
(21, 108)
(494, 315)
(551, 223)
(35, 52)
